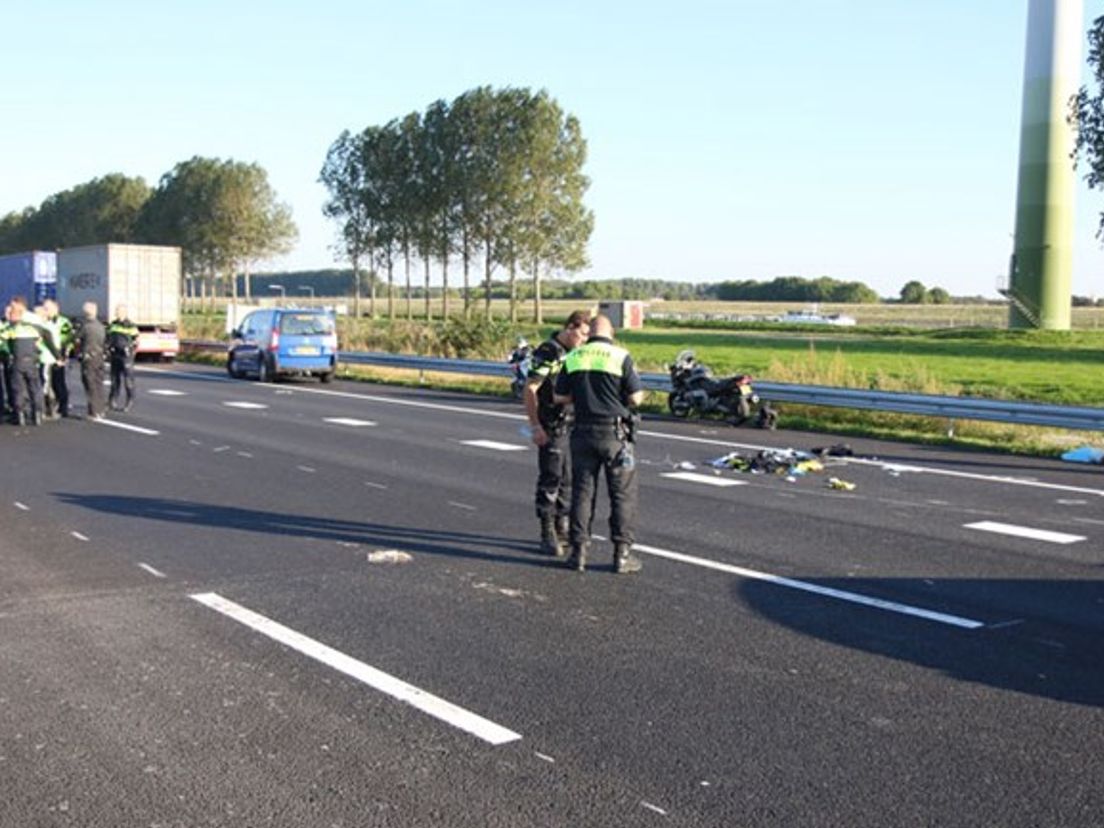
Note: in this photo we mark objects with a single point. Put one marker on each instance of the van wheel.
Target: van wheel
(327, 377)
(264, 370)
(231, 369)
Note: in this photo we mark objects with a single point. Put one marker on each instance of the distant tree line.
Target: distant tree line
(222, 213)
(493, 178)
(796, 289)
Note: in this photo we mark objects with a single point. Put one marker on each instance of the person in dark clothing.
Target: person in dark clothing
(91, 342)
(122, 338)
(549, 424)
(600, 380)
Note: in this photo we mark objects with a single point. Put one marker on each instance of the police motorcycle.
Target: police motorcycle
(694, 390)
(521, 360)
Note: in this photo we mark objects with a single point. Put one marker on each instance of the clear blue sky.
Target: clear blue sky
(860, 139)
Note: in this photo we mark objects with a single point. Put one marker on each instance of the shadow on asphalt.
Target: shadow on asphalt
(408, 538)
(1048, 643)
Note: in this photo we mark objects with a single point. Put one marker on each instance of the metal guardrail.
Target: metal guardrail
(1080, 418)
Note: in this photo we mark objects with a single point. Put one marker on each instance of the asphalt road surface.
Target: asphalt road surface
(306, 605)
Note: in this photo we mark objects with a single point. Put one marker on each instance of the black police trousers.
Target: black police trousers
(594, 448)
(122, 378)
(554, 476)
(92, 377)
(59, 383)
(26, 388)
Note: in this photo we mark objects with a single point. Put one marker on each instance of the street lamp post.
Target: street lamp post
(283, 293)
(311, 289)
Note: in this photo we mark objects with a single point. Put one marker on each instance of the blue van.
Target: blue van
(277, 342)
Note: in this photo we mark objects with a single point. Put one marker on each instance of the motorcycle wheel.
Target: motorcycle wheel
(678, 405)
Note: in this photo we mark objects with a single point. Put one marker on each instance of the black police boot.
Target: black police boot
(550, 543)
(577, 560)
(624, 562)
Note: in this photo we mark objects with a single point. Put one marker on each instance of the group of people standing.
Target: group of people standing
(581, 401)
(36, 347)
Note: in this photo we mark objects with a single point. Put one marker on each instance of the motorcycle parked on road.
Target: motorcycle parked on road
(521, 360)
(694, 390)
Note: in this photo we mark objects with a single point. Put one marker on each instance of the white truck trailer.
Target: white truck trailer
(145, 278)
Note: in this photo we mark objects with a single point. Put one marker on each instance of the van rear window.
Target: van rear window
(306, 324)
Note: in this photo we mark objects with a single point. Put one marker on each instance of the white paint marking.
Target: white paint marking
(306, 469)
(1024, 532)
(79, 536)
(804, 586)
(372, 485)
(1088, 520)
(246, 405)
(1067, 502)
(544, 757)
(166, 392)
(459, 505)
(348, 421)
(484, 413)
(1001, 625)
(652, 807)
(194, 443)
(155, 573)
(707, 479)
(491, 444)
(220, 449)
(22, 506)
(437, 707)
(126, 427)
(244, 454)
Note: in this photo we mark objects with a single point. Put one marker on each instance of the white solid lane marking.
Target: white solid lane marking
(166, 392)
(126, 427)
(246, 405)
(707, 479)
(348, 421)
(1024, 532)
(494, 446)
(22, 506)
(804, 586)
(437, 707)
(155, 573)
(79, 536)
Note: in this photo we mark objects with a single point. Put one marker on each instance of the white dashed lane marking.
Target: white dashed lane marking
(348, 421)
(492, 445)
(251, 406)
(707, 479)
(1024, 532)
(79, 536)
(22, 506)
(434, 706)
(166, 392)
(155, 573)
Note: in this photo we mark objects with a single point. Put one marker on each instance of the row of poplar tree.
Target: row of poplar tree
(490, 181)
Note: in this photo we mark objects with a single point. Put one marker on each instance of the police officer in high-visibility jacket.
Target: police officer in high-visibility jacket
(122, 339)
(63, 329)
(550, 426)
(24, 335)
(600, 380)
